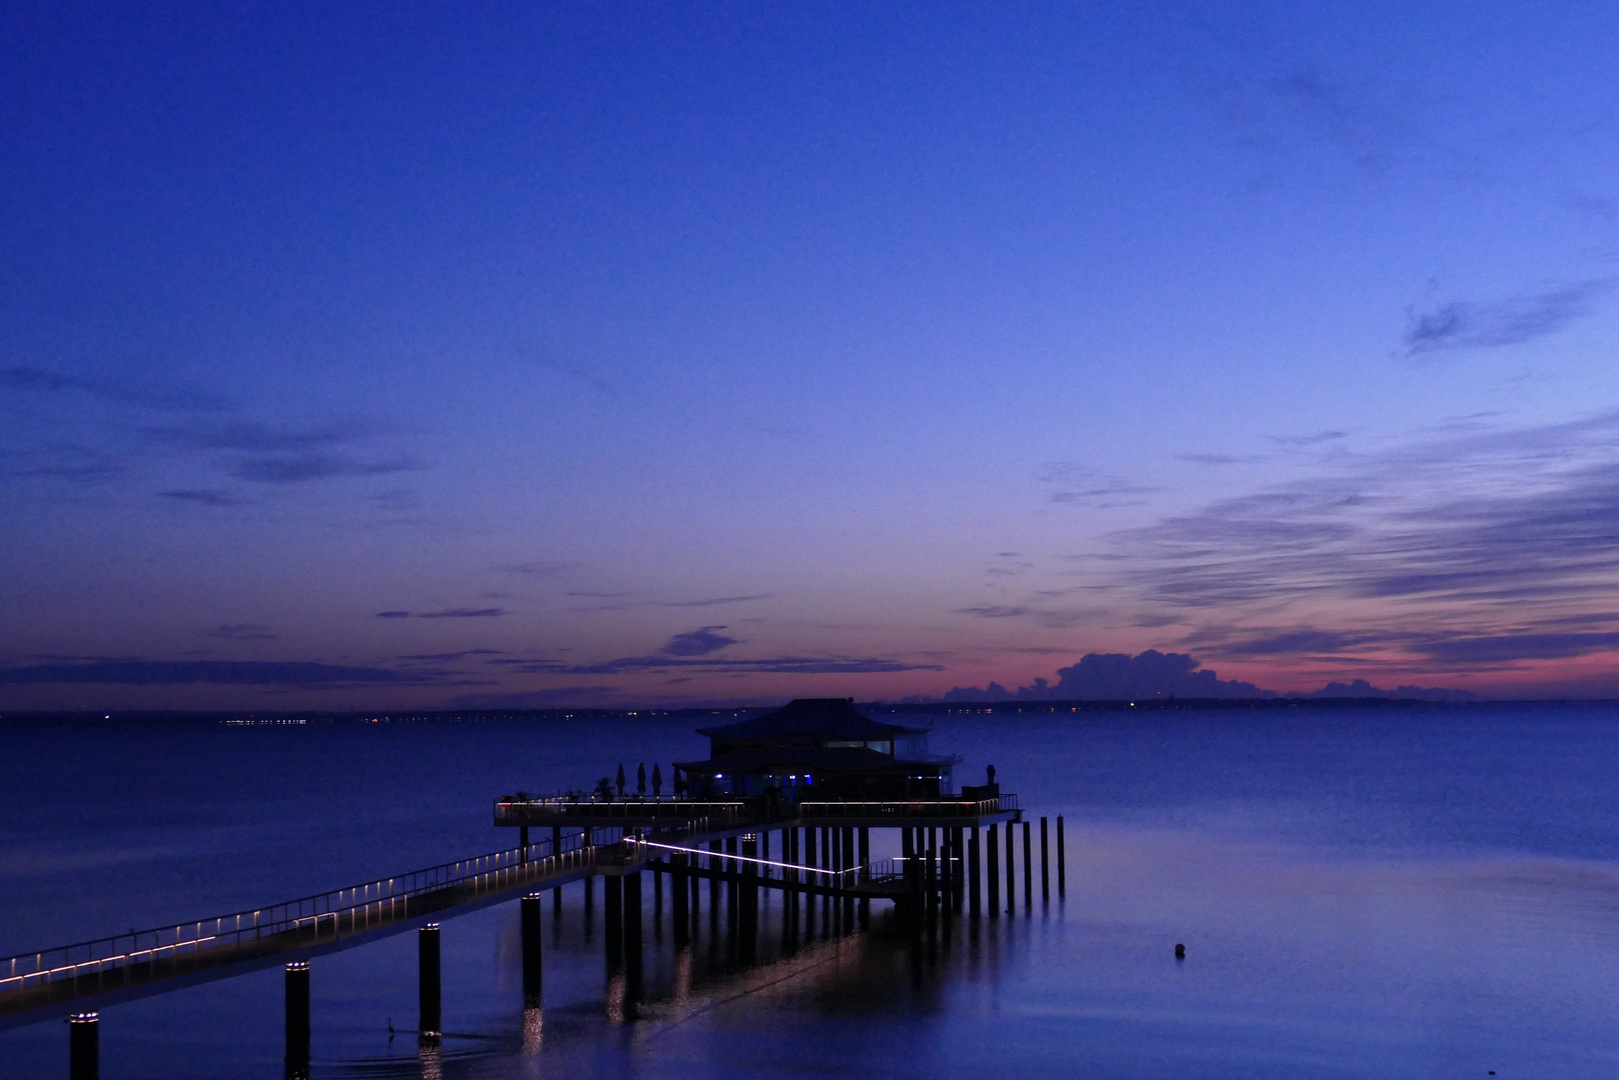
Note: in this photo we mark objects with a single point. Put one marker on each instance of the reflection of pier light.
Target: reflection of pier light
(533, 1030)
(431, 1055)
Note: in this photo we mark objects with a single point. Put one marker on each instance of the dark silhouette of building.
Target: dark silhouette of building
(817, 749)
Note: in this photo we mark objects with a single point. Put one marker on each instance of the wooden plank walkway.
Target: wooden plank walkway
(134, 965)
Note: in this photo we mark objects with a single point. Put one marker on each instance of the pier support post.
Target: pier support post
(732, 889)
(695, 861)
(657, 901)
(681, 896)
(848, 862)
(84, 1046)
(1028, 867)
(809, 898)
(297, 998)
(1011, 868)
(714, 884)
(632, 936)
(522, 843)
(1045, 865)
(864, 858)
(533, 959)
(556, 893)
(974, 907)
(992, 866)
(749, 915)
(957, 868)
(430, 1022)
(1062, 875)
(613, 924)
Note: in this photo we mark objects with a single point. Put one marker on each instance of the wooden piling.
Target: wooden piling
(732, 889)
(532, 958)
(1045, 865)
(681, 895)
(84, 1046)
(748, 923)
(864, 857)
(632, 936)
(1062, 875)
(297, 999)
(429, 997)
(556, 893)
(974, 904)
(714, 884)
(613, 924)
(1011, 869)
(992, 869)
(1028, 866)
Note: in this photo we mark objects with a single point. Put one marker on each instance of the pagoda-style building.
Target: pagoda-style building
(817, 749)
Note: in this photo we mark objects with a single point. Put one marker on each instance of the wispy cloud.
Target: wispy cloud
(447, 613)
(83, 429)
(173, 398)
(1509, 321)
(126, 672)
(243, 632)
(699, 642)
(203, 496)
(778, 665)
(1465, 541)
(300, 468)
(713, 601)
(542, 568)
(1081, 485)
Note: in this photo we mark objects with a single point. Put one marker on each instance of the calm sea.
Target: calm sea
(1362, 893)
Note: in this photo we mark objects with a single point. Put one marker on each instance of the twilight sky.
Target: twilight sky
(522, 354)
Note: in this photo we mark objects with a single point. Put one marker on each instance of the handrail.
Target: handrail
(675, 809)
(943, 807)
(360, 906)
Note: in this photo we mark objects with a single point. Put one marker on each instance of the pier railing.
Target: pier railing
(528, 811)
(909, 808)
(352, 909)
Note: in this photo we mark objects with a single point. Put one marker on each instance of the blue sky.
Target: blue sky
(732, 352)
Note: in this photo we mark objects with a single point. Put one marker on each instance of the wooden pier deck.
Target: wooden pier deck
(687, 841)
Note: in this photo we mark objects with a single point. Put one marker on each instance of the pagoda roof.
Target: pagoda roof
(809, 719)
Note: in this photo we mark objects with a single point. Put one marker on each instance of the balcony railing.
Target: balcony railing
(909, 808)
(526, 811)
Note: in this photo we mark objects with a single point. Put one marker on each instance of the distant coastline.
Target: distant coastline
(977, 708)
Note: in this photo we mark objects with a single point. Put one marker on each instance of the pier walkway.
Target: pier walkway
(128, 966)
(89, 974)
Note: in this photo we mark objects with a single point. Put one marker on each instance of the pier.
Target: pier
(738, 833)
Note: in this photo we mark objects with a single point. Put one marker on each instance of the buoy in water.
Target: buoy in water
(1180, 951)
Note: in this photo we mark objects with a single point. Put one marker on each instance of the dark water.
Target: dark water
(1380, 893)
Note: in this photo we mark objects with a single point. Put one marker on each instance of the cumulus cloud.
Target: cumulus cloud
(1121, 677)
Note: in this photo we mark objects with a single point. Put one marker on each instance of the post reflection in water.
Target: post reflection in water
(533, 1029)
(431, 1055)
